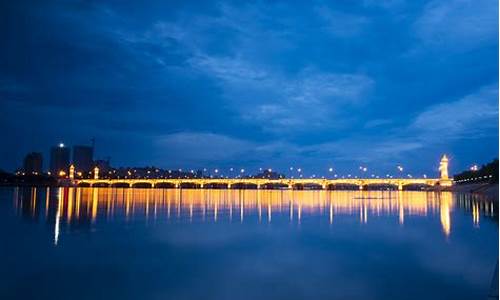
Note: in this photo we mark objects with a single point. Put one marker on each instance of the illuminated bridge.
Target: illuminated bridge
(259, 183)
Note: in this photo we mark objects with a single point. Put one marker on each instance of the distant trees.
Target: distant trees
(8, 179)
(487, 173)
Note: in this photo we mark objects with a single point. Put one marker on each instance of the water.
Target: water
(84, 243)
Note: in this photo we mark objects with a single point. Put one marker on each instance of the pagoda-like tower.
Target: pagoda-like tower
(443, 167)
(444, 179)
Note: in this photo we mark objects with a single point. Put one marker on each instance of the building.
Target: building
(33, 163)
(83, 158)
(59, 159)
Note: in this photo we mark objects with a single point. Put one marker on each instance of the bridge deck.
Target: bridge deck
(259, 182)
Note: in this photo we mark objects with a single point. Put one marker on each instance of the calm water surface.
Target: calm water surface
(94, 243)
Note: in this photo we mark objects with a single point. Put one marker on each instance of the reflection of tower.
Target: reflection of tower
(445, 206)
(443, 167)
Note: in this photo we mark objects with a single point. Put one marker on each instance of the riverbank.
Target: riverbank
(489, 190)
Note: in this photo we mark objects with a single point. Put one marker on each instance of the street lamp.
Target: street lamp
(400, 168)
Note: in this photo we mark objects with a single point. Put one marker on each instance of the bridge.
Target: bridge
(259, 183)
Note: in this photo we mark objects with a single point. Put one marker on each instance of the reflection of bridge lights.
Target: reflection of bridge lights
(330, 170)
(216, 171)
(349, 175)
(299, 170)
(291, 168)
(242, 170)
(269, 170)
(335, 175)
(400, 168)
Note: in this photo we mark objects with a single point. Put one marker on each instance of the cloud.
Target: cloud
(465, 116)
(200, 146)
(268, 97)
(340, 24)
(458, 24)
(377, 123)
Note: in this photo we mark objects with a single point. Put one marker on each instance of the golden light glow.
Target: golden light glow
(445, 208)
(195, 205)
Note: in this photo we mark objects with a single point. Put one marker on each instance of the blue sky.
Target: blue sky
(313, 84)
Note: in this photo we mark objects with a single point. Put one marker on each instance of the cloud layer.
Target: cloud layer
(253, 85)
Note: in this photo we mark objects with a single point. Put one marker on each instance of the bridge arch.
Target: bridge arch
(216, 185)
(342, 186)
(273, 185)
(142, 184)
(381, 186)
(189, 185)
(165, 185)
(121, 184)
(243, 185)
(307, 185)
(420, 186)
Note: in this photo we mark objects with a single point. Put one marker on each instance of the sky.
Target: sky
(200, 84)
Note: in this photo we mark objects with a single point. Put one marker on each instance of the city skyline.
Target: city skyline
(190, 86)
(79, 159)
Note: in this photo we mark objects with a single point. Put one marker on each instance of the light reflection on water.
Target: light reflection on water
(86, 206)
(107, 243)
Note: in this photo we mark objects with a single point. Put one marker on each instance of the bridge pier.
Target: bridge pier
(400, 187)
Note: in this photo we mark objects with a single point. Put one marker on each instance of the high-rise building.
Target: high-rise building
(59, 159)
(83, 158)
(33, 163)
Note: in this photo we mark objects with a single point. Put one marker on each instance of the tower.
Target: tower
(96, 173)
(443, 167)
(72, 172)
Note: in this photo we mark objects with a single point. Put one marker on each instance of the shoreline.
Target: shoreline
(489, 190)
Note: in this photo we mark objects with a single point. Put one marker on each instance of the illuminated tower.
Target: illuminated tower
(71, 172)
(96, 173)
(443, 167)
